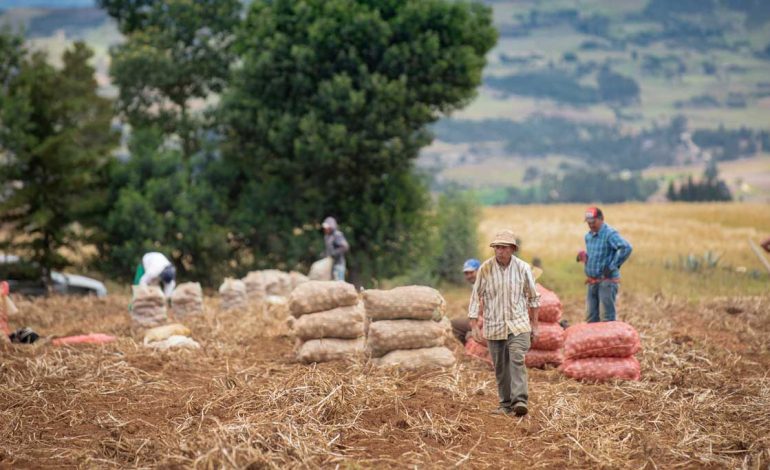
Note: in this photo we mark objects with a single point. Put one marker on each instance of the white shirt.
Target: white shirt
(154, 263)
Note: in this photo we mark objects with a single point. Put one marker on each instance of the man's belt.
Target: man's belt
(597, 280)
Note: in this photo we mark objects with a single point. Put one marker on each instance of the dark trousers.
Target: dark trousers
(510, 371)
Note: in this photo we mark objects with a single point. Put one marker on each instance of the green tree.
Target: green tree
(55, 144)
(153, 207)
(177, 54)
(327, 113)
(456, 239)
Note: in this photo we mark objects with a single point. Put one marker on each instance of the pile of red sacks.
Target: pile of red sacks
(546, 348)
(601, 351)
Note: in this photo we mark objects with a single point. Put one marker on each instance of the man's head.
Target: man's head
(594, 218)
(329, 225)
(470, 269)
(505, 246)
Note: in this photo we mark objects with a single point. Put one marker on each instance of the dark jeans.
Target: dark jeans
(601, 294)
(460, 329)
(510, 371)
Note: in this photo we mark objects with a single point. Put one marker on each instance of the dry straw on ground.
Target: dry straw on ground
(704, 399)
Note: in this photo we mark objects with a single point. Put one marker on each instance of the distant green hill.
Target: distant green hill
(613, 85)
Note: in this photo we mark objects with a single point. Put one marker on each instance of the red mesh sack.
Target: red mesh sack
(550, 306)
(540, 358)
(603, 339)
(478, 350)
(599, 369)
(550, 337)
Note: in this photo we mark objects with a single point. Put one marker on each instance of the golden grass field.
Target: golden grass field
(242, 402)
(658, 233)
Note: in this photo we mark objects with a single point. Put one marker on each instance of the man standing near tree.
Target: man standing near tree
(605, 252)
(505, 287)
(336, 247)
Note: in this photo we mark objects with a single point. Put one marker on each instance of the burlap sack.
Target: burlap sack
(330, 349)
(159, 333)
(317, 296)
(148, 306)
(276, 282)
(275, 307)
(550, 306)
(341, 322)
(550, 337)
(411, 359)
(408, 302)
(187, 300)
(321, 270)
(389, 335)
(232, 294)
(255, 288)
(297, 278)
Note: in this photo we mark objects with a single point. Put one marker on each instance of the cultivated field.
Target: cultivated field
(241, 401)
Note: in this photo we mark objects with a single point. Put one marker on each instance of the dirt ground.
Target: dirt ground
(241, 400)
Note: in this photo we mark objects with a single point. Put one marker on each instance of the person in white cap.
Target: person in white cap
(156, 269)
(505, 286)
(461, 327)
(336, 247)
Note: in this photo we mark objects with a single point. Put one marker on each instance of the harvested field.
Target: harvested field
(703, 401)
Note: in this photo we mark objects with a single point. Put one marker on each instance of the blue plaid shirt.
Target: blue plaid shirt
(606, 249)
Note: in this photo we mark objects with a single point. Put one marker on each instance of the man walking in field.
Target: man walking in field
(606, 251)
(505, 287)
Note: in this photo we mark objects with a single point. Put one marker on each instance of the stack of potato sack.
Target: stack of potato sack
(546, 349)
(148, 306)
(406, 328)
(297, 278)
(601, 351)
(329, 321)
(277, 282)
(233, 295)
(187, 300)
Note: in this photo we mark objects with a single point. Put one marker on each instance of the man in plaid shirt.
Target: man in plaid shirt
(505, 287)
(605, 252)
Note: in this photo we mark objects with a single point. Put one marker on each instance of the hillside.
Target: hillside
(576, 93)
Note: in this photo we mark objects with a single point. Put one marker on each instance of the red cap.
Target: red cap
(593, 213)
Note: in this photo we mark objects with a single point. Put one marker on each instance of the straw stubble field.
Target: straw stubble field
(241, 401)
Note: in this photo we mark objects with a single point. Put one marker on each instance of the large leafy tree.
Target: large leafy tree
(55, 144)
(153, 207)
(177, 54)
(327, 112)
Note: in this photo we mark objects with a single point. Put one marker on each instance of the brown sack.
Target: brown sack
(187, 300)
(318, 296)
(329, 349)
(389, 335)
(411, 359)
(255, 287)
(408, 302)
(233, 295)
(148, 306)
(341, 322)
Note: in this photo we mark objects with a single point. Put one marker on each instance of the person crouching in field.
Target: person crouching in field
(505, 287)
(461, 327)
(156, 269)
(606, 251)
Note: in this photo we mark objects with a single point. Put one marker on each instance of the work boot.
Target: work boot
(501, 410)
(520, 408)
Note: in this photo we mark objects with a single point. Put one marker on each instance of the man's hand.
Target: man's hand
(533, 335)
(607, 272)
(766, 245)
(581, 257)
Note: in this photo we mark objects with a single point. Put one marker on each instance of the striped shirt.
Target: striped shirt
(606, 249)
(506, 293)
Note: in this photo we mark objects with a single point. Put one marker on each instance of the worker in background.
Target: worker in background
(461, 327)
(156, 269)
(605, 253)
(336, 247)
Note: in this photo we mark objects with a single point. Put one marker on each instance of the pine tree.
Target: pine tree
(56, 142)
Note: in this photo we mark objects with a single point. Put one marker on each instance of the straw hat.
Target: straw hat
(504, 237)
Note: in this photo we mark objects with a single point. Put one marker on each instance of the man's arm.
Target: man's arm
(339, 245)
(533, 300)
(622, 251)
